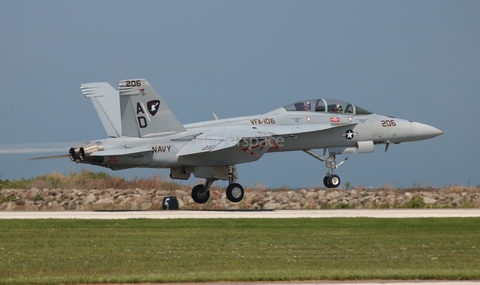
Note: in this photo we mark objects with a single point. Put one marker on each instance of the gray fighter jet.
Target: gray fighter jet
(145, 133)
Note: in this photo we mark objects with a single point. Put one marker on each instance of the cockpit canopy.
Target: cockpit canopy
(327, 106)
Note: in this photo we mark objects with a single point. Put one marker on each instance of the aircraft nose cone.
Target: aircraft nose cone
(423, 131)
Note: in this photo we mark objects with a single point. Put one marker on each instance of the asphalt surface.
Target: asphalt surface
(376, 282)
(175, 214)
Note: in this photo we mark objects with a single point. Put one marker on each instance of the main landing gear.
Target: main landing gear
(331, 180)
(235, 191)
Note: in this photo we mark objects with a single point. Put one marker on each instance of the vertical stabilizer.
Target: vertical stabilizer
(107, 104)
(143, 112)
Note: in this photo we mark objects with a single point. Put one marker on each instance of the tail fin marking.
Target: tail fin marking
(143, 112)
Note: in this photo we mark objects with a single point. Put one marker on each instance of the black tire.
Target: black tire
(200, 194)
(326, 182)
(334, 181)
(235, 192)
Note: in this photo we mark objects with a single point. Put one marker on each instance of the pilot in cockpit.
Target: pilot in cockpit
(334, 108)
(307, 106)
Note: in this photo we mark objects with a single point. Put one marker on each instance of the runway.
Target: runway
(232, 214)
(416, 282)
(387, 282)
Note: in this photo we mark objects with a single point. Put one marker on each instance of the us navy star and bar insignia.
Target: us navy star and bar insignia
(349, 134)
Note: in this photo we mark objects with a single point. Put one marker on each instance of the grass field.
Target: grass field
(114, 251)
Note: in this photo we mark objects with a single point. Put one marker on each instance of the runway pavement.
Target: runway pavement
(389, 282)
(350, 282)
(400, 213)
(354, 282)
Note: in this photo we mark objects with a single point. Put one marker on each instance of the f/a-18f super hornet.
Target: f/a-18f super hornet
(145, 133)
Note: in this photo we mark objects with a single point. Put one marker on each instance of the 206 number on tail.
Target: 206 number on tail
(133, 83)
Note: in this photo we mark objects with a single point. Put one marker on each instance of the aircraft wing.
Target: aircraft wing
(123, 151)
(293, 130)
(221, 139)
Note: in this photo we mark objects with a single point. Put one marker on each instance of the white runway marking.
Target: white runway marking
(403, 213)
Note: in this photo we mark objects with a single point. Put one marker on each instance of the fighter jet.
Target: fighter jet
(145, 133)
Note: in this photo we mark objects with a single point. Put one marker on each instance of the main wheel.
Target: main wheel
(235, 192)
(334, 181)
(200, 194)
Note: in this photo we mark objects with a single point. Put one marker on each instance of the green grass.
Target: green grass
(87, 179)
(143, 250)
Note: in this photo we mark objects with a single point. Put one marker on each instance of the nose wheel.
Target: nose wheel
(331, 180)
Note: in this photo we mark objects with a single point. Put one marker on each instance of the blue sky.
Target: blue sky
(416, 60)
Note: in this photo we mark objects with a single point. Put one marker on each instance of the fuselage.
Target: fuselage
(290, 130)
(147, 134)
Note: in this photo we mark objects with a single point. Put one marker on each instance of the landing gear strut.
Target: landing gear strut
(234, 191)
(331, 180)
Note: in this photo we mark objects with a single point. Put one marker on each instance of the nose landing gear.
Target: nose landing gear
(331, 180)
